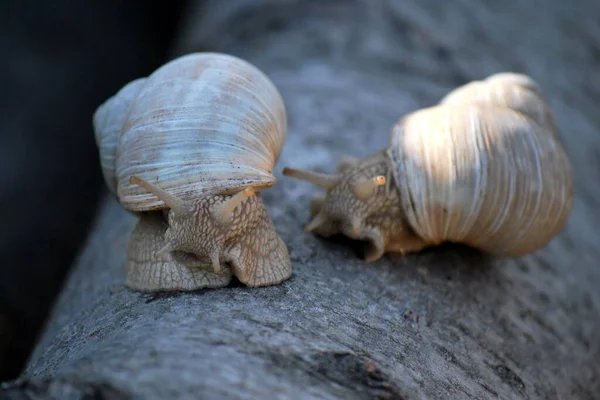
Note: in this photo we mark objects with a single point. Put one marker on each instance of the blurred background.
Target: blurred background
(60, 60)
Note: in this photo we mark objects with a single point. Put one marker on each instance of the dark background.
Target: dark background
(61, 59)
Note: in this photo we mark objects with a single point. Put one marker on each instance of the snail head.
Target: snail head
(198, 228)
(351, 195)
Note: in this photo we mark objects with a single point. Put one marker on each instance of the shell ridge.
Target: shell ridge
(211, 114)
(536, 180)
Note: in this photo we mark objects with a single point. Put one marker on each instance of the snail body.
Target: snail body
(189, 148)
(478, 173)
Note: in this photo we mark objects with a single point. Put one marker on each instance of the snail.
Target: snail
(188, 149)
(479, 173)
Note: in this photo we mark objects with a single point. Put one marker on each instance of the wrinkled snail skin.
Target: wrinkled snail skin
(480, 174)
(378, 219)
(253, 251)
(188, 149)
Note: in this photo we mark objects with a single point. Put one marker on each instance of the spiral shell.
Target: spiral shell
(515, 91)
(204, 123)
(481, 175)
(108, 120)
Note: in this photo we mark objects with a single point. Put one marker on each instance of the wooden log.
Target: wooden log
(446, 323)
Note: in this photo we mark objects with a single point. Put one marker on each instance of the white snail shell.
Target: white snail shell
(203, 123)
(485, 176)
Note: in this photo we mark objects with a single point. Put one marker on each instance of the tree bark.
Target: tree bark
(445, 323)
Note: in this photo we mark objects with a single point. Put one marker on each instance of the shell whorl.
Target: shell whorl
(507, 89)
(481, 175)
(108, 121)
(514, 78)
(204, 123)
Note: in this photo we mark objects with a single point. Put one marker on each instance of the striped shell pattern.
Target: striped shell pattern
(484, 168)
(204, 123)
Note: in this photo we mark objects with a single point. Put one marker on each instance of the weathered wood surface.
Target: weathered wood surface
(447, 323)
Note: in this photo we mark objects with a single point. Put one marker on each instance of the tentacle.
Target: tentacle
(317, 221)
(177, 205)
(168, 247)
(316, 204)
(224, 212)
(323, 180)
